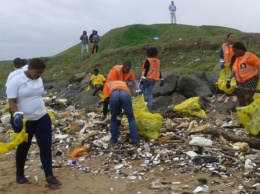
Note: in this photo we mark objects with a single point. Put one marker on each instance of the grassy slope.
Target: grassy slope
(179, 48)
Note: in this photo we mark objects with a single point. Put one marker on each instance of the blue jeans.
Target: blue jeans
(121, 98)
(83, 47)
(148, 85)
(42, 130)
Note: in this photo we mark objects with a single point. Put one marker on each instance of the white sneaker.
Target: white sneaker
(227, 100)
(234, 99)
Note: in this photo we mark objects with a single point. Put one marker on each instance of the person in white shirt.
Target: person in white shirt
(24, 93)
(172, 9)
(18, 69)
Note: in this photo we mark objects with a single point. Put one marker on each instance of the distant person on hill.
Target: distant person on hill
(18, 69)
(172, 9)
(84, 42)
(97, 80)
(24, 93)
(150, 75)
(96, 40)
(91, 38)
(245, 68)
(225, 55)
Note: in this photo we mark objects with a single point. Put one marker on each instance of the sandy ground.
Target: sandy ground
(95, 175)
(76, 179)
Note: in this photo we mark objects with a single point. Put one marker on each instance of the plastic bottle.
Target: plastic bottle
(146, 147)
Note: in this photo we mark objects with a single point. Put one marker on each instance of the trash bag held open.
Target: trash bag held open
(148, 124)
(17, 139)
(223, 76)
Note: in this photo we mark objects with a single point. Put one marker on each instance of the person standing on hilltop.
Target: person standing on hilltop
(150, 75)
(225, 55)
(96, 40)
(84, 42)
(172, 9)
(91, 38)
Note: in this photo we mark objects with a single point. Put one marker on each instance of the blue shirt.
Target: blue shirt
(172, 8)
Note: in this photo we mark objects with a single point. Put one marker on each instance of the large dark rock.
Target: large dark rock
(161, 103)
(170, 85)
(211, 79)
(84, 99)
(177, 98)
(192, 85)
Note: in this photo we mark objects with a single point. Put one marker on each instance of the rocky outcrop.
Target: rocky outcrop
(176, 89)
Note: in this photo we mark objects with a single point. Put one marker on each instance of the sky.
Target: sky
(41, 28)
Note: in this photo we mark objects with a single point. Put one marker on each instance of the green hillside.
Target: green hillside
(182, 48)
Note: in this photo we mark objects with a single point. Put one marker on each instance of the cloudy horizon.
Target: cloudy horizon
(47, 27)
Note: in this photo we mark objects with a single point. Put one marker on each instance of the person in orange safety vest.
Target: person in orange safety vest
(245, 67)
(226, 52)
(150, 75)
(118, 95)
(225, 55)
(120, 73)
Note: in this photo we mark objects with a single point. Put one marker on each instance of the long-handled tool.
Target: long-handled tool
(248, 89)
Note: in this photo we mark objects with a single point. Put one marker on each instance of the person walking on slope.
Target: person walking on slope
(245, 67)
(96, 40)
(24, 93)
(225, 55)
(150, 75)
(118, 96)
(84, 42)
(172, 9)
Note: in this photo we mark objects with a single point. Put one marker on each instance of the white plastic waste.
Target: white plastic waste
(200, 141)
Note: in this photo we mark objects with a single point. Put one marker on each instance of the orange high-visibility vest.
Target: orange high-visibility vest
(109, 87)
(154, 69)
(227, 52)
(244, 71)
(120, 75)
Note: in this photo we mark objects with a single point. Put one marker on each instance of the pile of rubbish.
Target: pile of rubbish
(214, 150)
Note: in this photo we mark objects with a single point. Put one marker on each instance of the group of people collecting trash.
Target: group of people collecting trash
(25, 96)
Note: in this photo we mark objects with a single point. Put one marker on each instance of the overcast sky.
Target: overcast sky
(35, 28)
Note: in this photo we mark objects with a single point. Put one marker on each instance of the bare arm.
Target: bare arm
(13, 105)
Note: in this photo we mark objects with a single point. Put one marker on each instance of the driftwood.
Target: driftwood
(252, 142)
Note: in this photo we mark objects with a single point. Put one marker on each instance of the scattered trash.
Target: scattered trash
(176, 145)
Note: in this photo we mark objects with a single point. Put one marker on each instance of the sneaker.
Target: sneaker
(22, 180)
(234, 99)
(52, 181)
(227, 100)
(136, 143)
